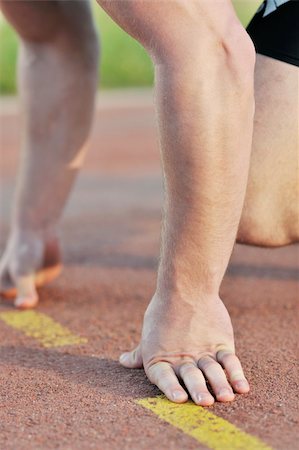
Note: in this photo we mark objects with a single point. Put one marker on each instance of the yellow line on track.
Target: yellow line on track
(210, 430)
(42, 328)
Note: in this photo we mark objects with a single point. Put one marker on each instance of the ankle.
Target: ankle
(24, 231)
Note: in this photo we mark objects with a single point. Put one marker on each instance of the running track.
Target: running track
(72, 393)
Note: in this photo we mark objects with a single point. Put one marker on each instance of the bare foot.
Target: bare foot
(193, 343)
(31, 259)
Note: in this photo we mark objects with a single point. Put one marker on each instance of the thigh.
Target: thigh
(40, 20)
(160, 23)
(272, 193)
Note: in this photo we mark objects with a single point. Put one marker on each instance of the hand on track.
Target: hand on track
(191, 343)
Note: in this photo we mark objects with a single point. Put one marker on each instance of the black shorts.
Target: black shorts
(274, 30)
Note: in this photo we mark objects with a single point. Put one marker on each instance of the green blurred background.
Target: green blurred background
(124, 62)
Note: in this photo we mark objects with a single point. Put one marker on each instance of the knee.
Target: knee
(55, 23)
(77, 31)
(187, 33)
(208, 53)
(260, 227)
(238, 55)
(33, 21)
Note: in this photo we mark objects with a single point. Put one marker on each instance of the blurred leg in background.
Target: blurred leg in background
(58, 65)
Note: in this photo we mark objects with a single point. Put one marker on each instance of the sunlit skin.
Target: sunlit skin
(270, 214)
(205, 108)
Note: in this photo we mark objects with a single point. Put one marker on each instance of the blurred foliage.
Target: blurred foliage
(8, 56)
(124, 62)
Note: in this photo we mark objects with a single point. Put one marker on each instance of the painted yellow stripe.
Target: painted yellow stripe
(204, 426)
(42, 328)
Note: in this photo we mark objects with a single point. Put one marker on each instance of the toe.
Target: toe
(27, 296)
(26, 302)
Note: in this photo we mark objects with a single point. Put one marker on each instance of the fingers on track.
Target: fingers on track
(196, 384)
(217, 379)
(162, 375)
(231, 363)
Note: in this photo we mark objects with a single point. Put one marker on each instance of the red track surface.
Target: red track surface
(80, 397)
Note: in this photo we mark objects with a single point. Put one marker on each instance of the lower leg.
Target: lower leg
(57, 83)
(270, 215)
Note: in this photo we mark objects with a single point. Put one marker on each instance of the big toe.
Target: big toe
(26, 302)
(27, 296)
